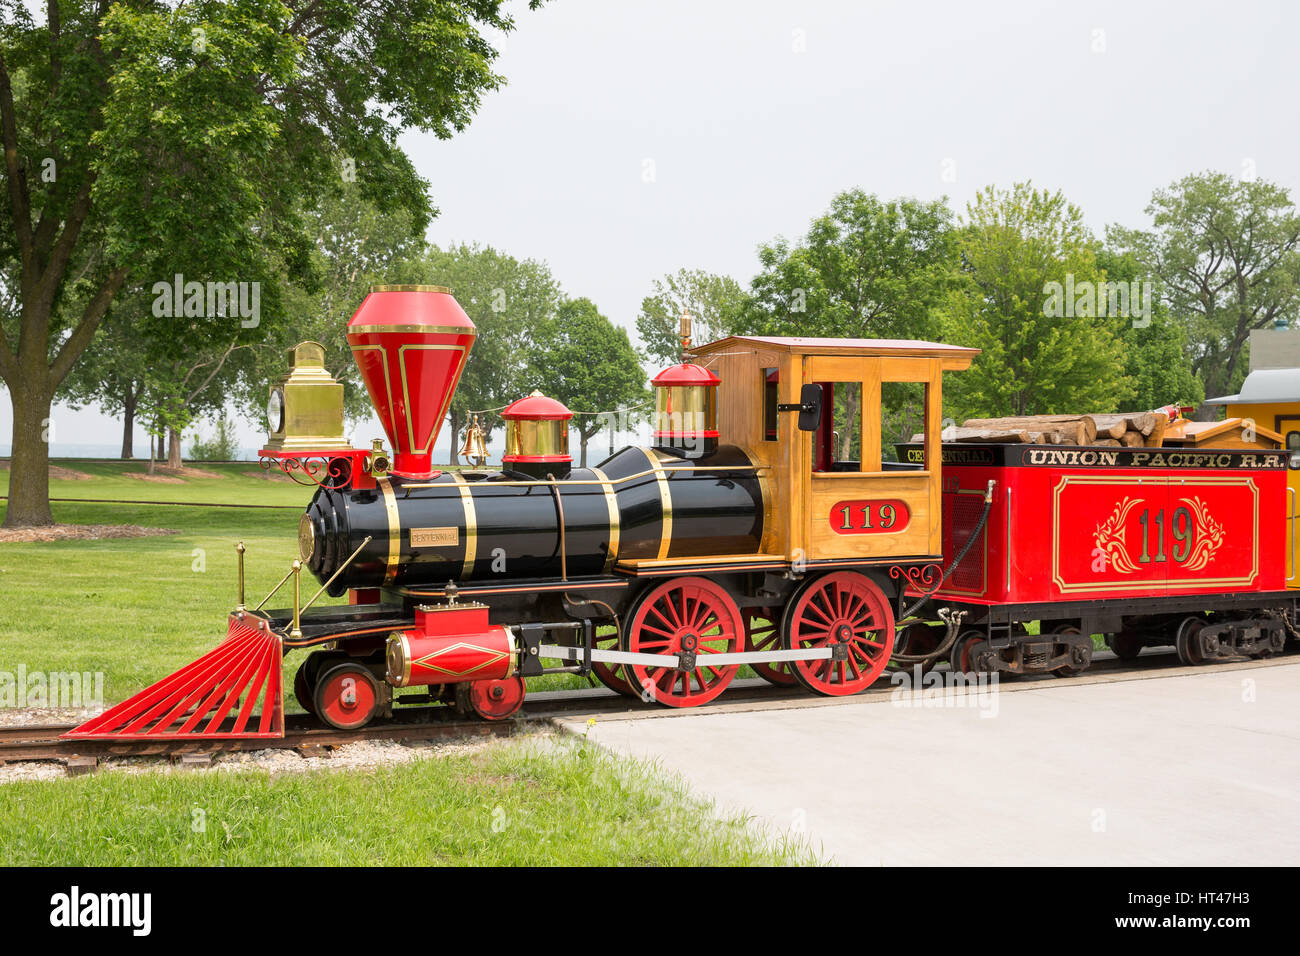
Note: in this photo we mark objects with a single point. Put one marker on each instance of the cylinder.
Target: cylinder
(417, 657)
(641, 503)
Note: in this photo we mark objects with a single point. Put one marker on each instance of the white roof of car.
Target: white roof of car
(1265, 386)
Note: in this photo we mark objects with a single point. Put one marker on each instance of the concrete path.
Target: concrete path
(1198, 769)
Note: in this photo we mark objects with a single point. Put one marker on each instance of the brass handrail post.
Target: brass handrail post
(240, 607)
(296, 633)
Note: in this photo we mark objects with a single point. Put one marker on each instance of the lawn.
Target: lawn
(138, 609)
(512, 804)
(241, 482)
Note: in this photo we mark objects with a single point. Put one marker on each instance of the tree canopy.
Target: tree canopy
(146, 140)
(510, 301)
(1014, 243)
(867, 268)
(713, 301)
(587, 362)
(1227, 252)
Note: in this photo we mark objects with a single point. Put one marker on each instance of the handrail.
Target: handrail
(1007, 581)
(559, 507)
(274, 590)
(1291, 492)
(565, 482)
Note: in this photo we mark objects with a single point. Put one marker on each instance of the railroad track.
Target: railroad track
(42, 742)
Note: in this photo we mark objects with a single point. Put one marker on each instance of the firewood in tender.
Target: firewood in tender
(1074, 429)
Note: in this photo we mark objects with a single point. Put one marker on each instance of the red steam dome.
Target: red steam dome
(411, 343)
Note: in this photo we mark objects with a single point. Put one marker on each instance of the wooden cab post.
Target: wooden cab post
(836, 500)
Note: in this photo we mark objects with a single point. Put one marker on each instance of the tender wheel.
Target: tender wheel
(684, 614)
(763, 634)
(613, 676)
(1188, 647)
(969, 653)
(347, 696)
(1078, 666)
(496, 699)
(844, 609)
(1126, 645)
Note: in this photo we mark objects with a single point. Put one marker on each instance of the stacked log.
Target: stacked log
(1055, 429)
(1120, 430)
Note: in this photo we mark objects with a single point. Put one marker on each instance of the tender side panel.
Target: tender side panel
(1090, 524)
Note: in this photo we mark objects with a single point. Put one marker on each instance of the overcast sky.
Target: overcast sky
(638, 137)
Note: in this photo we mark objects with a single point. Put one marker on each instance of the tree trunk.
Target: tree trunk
(29, 462)
(128, 421)
(453, 451)
(583, 445)
(173, 448)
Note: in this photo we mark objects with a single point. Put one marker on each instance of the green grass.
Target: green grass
(139, 609)
(514, 804)
(237, 483)
(136, 609)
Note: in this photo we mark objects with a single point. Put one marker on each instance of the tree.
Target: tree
(587, 362)
(132, 131)
(714, 302)
(1015, 245)
(356, 246)
(1155, 352)
(509, 301)
(112, 375)
(222, 446)
(868, 268)
(1227, 253)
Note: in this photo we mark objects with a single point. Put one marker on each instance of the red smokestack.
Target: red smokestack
(411, 343)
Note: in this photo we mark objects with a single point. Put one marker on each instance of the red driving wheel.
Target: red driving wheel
(347, 696)
(763, 634)
(496, 699)
(684, 615)
(847, 609)
(613, 676)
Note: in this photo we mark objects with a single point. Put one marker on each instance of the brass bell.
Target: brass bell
(474, 450)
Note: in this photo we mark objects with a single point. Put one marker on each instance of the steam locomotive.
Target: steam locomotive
(750, 532)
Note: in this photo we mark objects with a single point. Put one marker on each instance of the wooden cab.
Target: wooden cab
(833, 500)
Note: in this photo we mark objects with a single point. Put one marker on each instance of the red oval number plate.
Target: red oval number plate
(869, 516)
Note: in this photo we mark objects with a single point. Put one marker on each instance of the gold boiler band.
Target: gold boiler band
(471, 525)
(611, 503)
(394, 529)
(665, 503)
